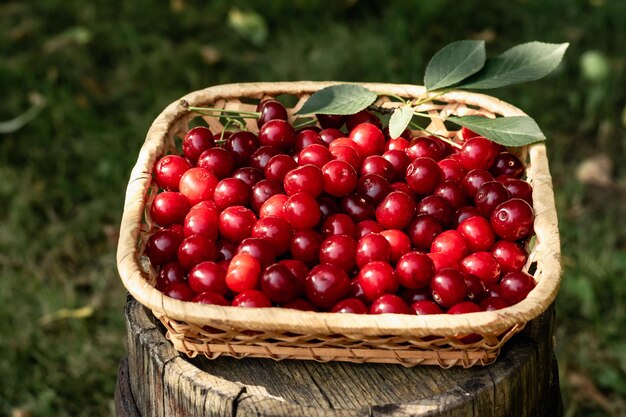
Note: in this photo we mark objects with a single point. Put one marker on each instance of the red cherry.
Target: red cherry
(277, 133)
(198, 184)
(340, 251)
(270, 110)
(169, 207)
(211, 298)
(423, 175)
(262, 155)
(373, 188)
(436, 207)
(404, 187)
(490, 195)
(400, 144)
(278, 166)
(196, 249)
(338, 224)
(231, 192)
(179, 291)
(467, 134)
(339, 178)
(366, 227)
(451, 170)
(513, 219)
(170, 272)
(442, 261)
(476, 289)
(262, 191)
(448, 287)
(372, 247)
(493, 303)
(515, 286)
(357, 207)
(399, 160)
(474, 179)
(376, 164)
(350, 305)
(342, 141)
(299, 304)
(248, 175)
(478, 233)
(236, 222)
(331, 120)
(377, 278)
(399, 242)
(453, 193)
(305, 179)
(483, 265)
(251, 299)
(196, 141)
(302, 211)
(415, 270)
(306, 138)
(452, 244)
(463, 214)
(279, 284)
(510, 256)
(389, 304)
(347, 154)
(162, 246)
(356, 291)
(317, 155)
(414, 295)
(242, 144)
(168, 170)
(368, 139)
(273, 206)
(202, 219)
(208, 276)
(258, 248)
(425, 307)
(423, 230)
(478, 153)
(305, 246)
(276, 231)
(361, 117)
(326, 285)
(425, 147)
(464, 307)
(297, 268)
(518, 189)
(396, 211)
(329, 134)
(226, 250)
(505, 163)
(219, 161)
(243, 272)
(328, 206)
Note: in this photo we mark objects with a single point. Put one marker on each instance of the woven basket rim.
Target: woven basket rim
(280, 319)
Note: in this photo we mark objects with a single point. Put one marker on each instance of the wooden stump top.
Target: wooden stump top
(158, 381)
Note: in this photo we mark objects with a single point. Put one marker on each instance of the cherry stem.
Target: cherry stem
(441, 137)
(304, 123)
(249, 114)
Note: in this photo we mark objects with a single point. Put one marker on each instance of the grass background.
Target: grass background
(106, 69)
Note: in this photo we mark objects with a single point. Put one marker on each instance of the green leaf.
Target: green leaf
(507, 131)
(339, 99)
(399, 120)
(527, 62)
(453, 63)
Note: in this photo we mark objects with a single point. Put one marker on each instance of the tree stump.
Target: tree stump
(157, 381)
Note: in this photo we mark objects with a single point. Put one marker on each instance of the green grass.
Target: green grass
(106, 69)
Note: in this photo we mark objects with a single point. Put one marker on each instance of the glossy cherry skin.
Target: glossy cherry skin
(372, 247)
(473, 180)
(389, 304)
(326, 285)
(168, 170)
(211, 298)
(305, 179)
(251, 299)
(179, 291)
(208, 276)
(400, 143)
(464, 307)
(196, 141)
(273, 206)
(415, 270)
(198, 184)
(279, 284)
(467, 134)
(196, 249)
(262, 155)
(338, 224)
(350, 305)
(262, 191)
(513, 219)
(452, 244)
(423, 175)
(270, 110)
(249, 175)
(340, 251)
(399, 242)
(518, 189)
(331, 120)
(356, 291)
(515, 286)
(302, 211)
(299, 304)
(277, 133)
(483, 265)
(376, 164)
(231, 192)
(361, 117)
(162, 246)
(493, 303)
(436, 207)
(423, 230)
(339, 178)
(297, 268)
(315, 154)
(347, 154)
(305, 246)
(170, 272)
(510, 255)
(219, 161)
(448, 287)
(451, 170)
(328, 206)
(169, 207)
(368, 139)
(373, 188)
(425, 147)
(422, 308)
(489, 196)
(243, 272)
(258, 248)
(226, 250)
(476, 289)
(278, 166)
(366, 227)
(306, 138)
(505, 163)
(442, 261)
(453, 193)
(478, 233)
(202, 219)
(242, 144)
(236, 222)
(399, 160)
(357, 207)
(276, 231)
(396, 211)
(463, 214)
(411, 295)
(478, 153)
(329, 134)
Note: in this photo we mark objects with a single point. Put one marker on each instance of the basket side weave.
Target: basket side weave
(175, 116)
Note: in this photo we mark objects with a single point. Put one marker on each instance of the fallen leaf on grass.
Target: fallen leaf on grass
(66, 313)
(595, 170)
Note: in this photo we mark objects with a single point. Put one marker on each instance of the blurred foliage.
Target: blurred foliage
(106, 69)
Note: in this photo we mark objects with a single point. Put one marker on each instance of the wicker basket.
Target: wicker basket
(289, 334)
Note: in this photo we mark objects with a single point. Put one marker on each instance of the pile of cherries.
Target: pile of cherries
(323, 220)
